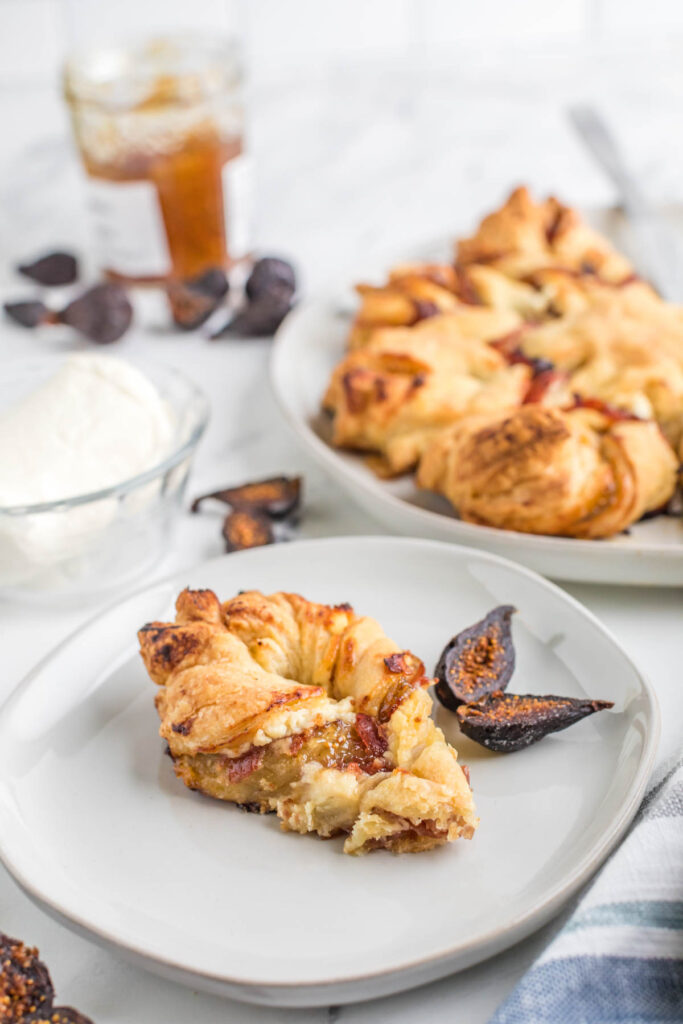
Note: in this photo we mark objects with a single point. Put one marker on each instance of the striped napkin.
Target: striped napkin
(619, 954)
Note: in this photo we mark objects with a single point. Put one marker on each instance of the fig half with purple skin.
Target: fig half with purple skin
(242, 530)
(26, 990)
(277, 497)
(51, 270)
(477, 661)
(67, 1015)
(506, 722)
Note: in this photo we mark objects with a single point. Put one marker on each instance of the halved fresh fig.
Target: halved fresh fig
(477, 661)
(505, 722)
(26, 990)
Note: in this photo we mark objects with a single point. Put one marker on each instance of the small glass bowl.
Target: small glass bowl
(91, 543)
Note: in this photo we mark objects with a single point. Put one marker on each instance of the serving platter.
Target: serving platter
(307, 348)
(97, 830)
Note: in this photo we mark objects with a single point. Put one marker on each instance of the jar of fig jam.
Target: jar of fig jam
(160, 129)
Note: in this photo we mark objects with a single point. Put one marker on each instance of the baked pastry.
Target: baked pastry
(538, 309)
(391, 396)
(279, 704)
(418, 291)
(524, 236)
(576, 473)
(624, 346)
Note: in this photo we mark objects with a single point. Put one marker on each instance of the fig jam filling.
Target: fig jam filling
(358, 747)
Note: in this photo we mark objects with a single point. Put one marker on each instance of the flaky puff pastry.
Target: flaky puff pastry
(624, 346)
(417, 291)
(390, 397)
(524, 236)
(279, 704)
(577, 473)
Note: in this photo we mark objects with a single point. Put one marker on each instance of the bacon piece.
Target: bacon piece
(605, 408)
(396, 663)
(541, 383)
(371, 734)
(296, 743)
(240, 768)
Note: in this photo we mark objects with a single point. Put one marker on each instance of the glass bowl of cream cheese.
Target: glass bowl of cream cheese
(95, 454)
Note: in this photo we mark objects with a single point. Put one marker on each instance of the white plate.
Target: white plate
(96, 828)
(309, 345)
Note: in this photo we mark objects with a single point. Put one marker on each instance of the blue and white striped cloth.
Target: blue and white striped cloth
(619, 955)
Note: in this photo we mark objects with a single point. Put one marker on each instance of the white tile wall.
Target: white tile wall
(296, 33)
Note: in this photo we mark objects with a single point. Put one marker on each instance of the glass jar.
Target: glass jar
(160, 128)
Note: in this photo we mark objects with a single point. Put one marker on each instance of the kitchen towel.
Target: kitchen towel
(619, 954)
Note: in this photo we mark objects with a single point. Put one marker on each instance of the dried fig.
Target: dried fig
(243, 529)
(276, 497)
(193, 301)
(261, 317)
(477, 661)
(28, 314)
(268, 273)
(55, 268)
(511, 721)
(102, 313)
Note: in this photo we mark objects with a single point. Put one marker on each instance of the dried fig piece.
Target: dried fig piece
(511, 721)
(276, 497)
(102, 313)
(477, 661)
(262, 315)
(28, 314)
(55, 268)
(193, 301)
(243, 529)
(268, 273)
(26, 989)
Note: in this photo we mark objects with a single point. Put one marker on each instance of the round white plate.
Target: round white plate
(309, 345)
(97, 829)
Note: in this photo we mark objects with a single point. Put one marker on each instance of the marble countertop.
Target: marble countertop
(350, 165)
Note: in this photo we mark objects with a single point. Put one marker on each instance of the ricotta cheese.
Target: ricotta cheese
(97, 422)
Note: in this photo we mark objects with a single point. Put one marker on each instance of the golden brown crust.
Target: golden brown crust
(524, 236)
(540, 470)
(407, 383)
(566, 317)
(309, 710)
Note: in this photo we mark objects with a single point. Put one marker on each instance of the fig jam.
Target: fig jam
(160, 131)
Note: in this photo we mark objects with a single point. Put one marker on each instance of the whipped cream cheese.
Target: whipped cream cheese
(97, 422)
(94, 424)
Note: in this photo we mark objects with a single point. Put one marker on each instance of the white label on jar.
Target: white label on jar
(129, 228)
(237, 181)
